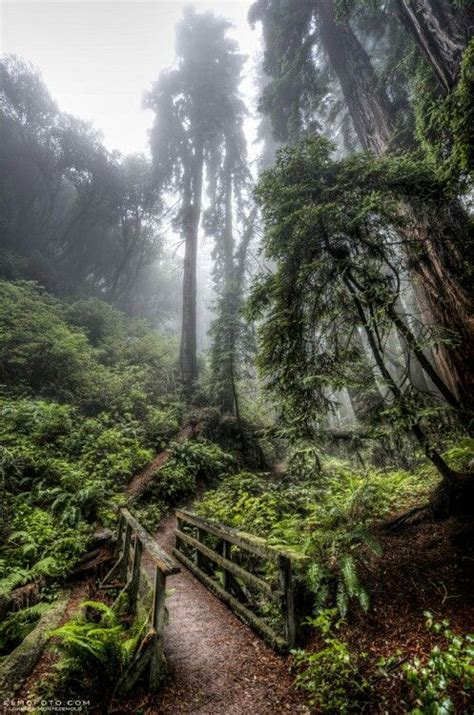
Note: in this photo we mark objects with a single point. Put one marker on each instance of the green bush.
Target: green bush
(39, 352)
(162, 424)
(431, 679)
(191, 461)
(326, 511)
(330, 676)
(95, 648)
(88, 353)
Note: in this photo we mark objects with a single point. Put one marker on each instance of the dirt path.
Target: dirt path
(140, 482)
(216, 664)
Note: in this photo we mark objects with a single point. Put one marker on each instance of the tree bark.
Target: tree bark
(368, 105)
(228, 395)
(191, 218)
(433, 243)
(437, 28)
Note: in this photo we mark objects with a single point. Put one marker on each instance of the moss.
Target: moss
(444, 124)
(19, 664)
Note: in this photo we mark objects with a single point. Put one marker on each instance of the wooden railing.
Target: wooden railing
(227, 563)
(130, 575)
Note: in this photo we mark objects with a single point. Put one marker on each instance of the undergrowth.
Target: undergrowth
(326, 512)
(87, 398)
(94, 648)
(336, 679)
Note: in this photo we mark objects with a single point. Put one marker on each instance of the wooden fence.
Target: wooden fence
(130, 575)
(227, 563)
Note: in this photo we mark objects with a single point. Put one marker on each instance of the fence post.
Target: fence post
(288, 599)
(135, 580)
(157, 664)
(226, 553)
(119, 544)
(200, 559)
(126, 553)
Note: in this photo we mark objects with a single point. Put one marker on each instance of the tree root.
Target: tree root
(396, 523)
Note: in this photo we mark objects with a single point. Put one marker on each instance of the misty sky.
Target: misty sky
(98, 56)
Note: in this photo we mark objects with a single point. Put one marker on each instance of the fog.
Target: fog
(97, 58)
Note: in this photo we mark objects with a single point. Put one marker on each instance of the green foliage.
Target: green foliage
(191, 462)
(88, 354)
(444, 122)
(16, 626)
(331, 675)
(94, 648)
(37, 349)
(162, 424)
(103, 325)
(63, 465)
(431, 679)
(329, 227)
(326, 513)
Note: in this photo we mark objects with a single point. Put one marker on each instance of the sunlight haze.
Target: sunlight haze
(98, 58)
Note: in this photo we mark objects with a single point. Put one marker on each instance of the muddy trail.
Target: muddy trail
(216, 664)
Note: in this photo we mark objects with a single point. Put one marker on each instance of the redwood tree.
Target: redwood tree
(194, 103)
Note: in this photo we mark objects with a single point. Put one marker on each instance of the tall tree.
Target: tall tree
(194, 104)
(334, 242)
(434, 244)
(228, 222)
(74, 216)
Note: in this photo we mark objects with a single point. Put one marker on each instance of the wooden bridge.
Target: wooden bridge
(258, 582)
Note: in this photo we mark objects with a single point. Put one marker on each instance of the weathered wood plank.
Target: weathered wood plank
(161, 559)
(288, 603)
(239, 609)
(231, 567)
(227, 555)
(157, 661)
(249, 542)
(124, 561)
(135, 580)
(200, 561)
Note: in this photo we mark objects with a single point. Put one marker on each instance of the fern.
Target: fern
(350, 578)
(94, 647)
(16, 626)
(16, 577)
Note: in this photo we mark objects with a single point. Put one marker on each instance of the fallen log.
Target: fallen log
(17, 666)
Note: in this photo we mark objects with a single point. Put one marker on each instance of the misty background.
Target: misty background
(98, 59)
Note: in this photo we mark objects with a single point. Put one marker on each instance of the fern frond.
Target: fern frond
(349, 574)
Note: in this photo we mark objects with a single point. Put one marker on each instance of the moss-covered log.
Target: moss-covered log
(18, 665)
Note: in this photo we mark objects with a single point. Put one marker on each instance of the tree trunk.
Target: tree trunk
(368, 106)
(192, 215)
(447, 475)
(435, 253)
(228, 393)
(441, 250)
(438, 31)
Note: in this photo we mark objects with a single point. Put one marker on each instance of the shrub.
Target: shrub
(430, 680)
(190, 462)
(331, 676)
(95, 648)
